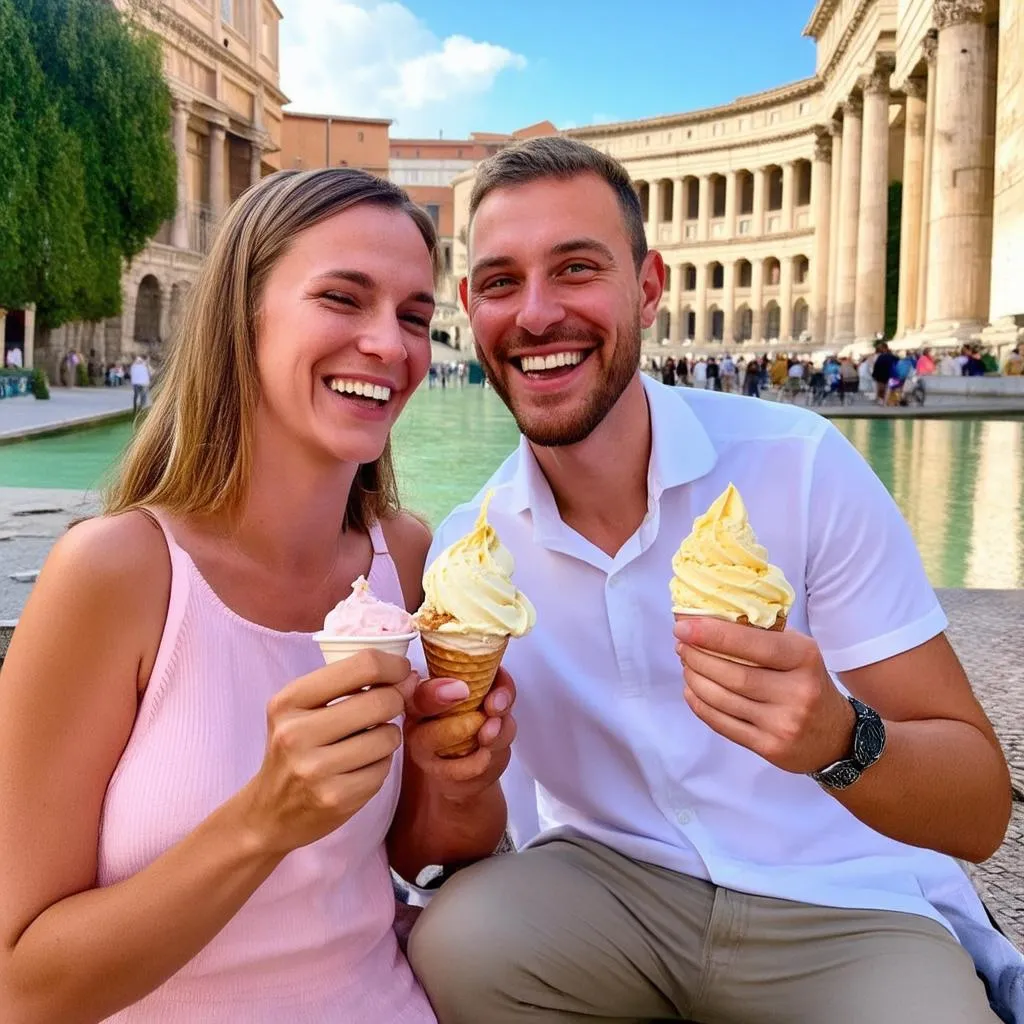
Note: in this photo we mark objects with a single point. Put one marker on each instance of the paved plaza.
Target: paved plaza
(983, 626)
(67, 407)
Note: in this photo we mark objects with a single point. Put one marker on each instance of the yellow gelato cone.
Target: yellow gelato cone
(776, 627)
(474, 660)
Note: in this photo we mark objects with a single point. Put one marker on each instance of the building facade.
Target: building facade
(312, 141)
(221, 63)
(884, 195)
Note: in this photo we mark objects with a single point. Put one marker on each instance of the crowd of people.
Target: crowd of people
(884, 376)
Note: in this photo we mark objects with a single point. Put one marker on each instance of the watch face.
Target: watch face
(841, 775)
(869, 739)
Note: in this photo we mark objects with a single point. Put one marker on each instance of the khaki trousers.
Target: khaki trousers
(572, 932)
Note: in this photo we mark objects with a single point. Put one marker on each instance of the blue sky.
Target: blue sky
(462, 65)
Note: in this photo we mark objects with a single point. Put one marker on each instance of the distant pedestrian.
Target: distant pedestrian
(140, 384)
(14, 358)
(1014, 365)
(668, 372)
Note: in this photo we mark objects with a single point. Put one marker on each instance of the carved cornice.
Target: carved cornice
(853, 106)
(820, 17)
(743, 105)
(948, 13)
(822, 144)
(852, 25)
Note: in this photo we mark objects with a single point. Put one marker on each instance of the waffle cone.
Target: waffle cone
(776, 627)
(476, 669)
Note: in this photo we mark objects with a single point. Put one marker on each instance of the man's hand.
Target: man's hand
(460, 778)
(784, 706)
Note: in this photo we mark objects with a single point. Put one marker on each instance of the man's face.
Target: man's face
(556, 304)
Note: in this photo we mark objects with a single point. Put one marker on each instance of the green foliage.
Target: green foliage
(40, 385)
(892, 259)
(86, 162)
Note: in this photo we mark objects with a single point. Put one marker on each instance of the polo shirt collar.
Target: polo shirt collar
(681, 451)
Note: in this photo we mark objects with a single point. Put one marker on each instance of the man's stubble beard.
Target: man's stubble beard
(556, 431)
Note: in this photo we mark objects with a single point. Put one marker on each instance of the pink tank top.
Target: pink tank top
(315, 943)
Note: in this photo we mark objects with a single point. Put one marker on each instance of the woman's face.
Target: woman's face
(344, 332)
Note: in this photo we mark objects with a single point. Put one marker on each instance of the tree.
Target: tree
(88, 120)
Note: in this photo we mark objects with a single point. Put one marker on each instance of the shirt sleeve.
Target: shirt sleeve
(868, 596)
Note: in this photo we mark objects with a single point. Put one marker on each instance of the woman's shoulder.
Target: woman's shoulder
(408, 538)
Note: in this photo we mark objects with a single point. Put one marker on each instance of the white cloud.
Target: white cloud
(378, 59)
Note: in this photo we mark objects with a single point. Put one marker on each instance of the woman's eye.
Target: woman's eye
(340, 297)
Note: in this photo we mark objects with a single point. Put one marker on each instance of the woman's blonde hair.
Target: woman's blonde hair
(193, 452)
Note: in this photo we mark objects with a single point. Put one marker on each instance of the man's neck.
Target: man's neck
(613, 460)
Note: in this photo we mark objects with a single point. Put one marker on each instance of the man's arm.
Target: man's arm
(942, 781)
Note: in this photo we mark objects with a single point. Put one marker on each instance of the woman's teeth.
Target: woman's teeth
(531, 364)
(362, 388)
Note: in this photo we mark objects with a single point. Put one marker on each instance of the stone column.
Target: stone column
(821, 199)
(872, 228)
(704, 208)
(701, 302)
(786, 298)
(760, 184)
(788, 195)
(654, 192)
(846, 272)
(757, 301)
(255, 163)
(218, 184)
(674, 290)
(1007, 301)
(929, 49)
(677, 210)
(729, 301)
(960, 232)
(913, 196)
(179, 229)
(30, 338)
(836, 131)
(730, 204)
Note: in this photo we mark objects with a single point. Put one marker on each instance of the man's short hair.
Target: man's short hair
(558, 157)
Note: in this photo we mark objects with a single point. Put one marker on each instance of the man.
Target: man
(683, 863)
(140, 384)
(925, 364)
(882, 372)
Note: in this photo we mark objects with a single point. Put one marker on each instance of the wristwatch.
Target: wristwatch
(868, 746)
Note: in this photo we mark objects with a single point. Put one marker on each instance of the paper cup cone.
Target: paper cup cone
(338, 648)
(474, 660)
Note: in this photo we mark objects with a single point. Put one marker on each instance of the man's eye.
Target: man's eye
(497, 282)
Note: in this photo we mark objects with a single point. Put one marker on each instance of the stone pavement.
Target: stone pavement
(26, 415)
(984, 629)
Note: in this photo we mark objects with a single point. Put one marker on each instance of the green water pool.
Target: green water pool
(960, 483)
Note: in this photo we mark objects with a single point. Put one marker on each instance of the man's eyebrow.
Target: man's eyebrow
(357, 277)
(582, 244)
(561, 249)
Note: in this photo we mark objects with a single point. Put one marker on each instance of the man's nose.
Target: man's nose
(540, 309)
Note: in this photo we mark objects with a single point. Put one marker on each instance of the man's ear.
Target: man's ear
(464, 294)
(652, 287)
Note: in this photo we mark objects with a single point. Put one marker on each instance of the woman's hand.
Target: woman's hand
(460, 778)
(324, 763)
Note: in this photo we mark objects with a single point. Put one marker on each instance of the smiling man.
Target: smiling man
(680, 861)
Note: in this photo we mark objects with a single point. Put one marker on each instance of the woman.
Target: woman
(192, 828)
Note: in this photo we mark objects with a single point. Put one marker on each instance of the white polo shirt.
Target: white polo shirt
(608, 746)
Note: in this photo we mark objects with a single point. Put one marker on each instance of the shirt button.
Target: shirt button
(684, 817)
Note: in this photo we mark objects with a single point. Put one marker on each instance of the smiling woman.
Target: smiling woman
(177, 772)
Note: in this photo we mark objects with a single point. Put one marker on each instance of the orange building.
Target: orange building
(311, 141)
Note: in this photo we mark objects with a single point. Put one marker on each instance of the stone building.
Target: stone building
(312, 141)
(773, 212)
(221, 62)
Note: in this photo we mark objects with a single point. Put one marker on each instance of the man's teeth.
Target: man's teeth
(550, 362)
(359, 387)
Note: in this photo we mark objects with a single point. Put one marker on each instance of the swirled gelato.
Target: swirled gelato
(721, 571)
(362, 614)
(468, 589)
(470, 609)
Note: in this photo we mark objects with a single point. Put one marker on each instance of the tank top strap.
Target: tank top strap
(384, 580)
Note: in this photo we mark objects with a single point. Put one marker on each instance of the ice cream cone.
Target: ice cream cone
(474, 660)
(776, 627)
